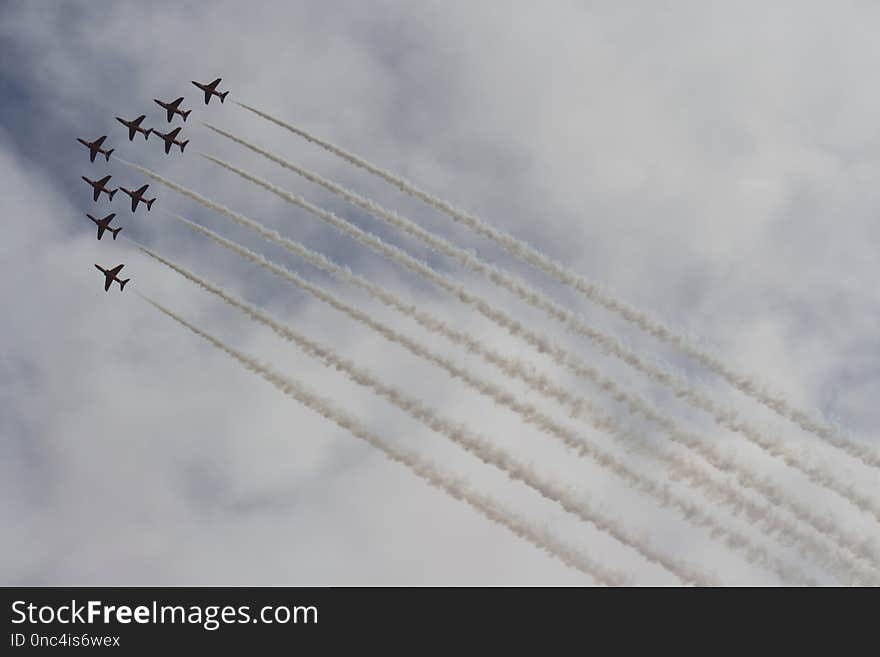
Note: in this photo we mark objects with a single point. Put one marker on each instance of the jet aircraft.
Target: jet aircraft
(95, 147)
(137, 196)
(173, 108)
(134, 126)
(211, 90)
(104, 224)
(171, 138)
(111, 275)
(100, 186)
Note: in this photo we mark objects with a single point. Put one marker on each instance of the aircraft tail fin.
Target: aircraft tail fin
(115, 231)
(122, 283)
(223, 96)
(183, 145)
(186, 114)
(150, 204)
(147, 133)
(110, 194)
(108, 153)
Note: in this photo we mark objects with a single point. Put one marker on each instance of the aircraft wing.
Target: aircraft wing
(101, 230)
(96, 193)
(140, 192)
(99, 141)
(173, 134)
(103, 181)
(175, 104)
(115, 270)
(167, 145)
(107, 281)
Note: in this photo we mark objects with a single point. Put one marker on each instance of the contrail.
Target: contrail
(635, 404)
(529, 413)
(421, 467)
(488, 453)
(594, 293)
(817, 474)
(725, 494)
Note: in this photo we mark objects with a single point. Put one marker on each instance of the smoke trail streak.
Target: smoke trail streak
(594, 293)
(529, 413)
(421, 467)
(457, 432)
(772, 523)
(726, 417)
(484, 450)
(818, 475)
(776, 495)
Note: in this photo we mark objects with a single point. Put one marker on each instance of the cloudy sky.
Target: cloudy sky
(715, 164)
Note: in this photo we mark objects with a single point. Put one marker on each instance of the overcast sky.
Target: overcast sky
(715, 164)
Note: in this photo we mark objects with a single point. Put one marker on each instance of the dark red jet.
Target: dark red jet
(110, 275)
(173, 108)
(100, 186)
(137, 196)
(134, 126)
(104, 224)
(211, 90)
(171, 138)
(95, 147)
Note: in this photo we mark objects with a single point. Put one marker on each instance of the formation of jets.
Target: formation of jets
(134, 126)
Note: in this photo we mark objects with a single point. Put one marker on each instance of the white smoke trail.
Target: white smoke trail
(720, 492)
(775, 494)
(829, 558)
(421, 467)
(817, 474)
(726, 417)
(484, 450)
(529, 413)
(478, 445)
(594, 293)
